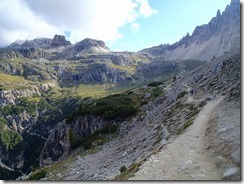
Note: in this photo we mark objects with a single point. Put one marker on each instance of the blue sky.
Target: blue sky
(123, 24)
(173, 20)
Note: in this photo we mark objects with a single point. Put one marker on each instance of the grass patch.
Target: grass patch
(128, 68)
(126, 173)
(38, 175)
(96, 90)
(185, 126)
(6, 78)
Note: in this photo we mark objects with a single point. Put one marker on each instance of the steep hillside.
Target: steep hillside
(159, 121)
(81, 111)
(210, 148)
(221, 34)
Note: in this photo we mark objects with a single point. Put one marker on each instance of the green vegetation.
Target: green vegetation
(123, 169)
(182, 94)
(8, 138)
(126, 173)
(6, 78)
(128, 68)
(3, 124)
(185, 126)
(156, 92)
(98, 138)
(96, 90)
(202, 104)
(8, 175)
(38, 175)
(12, 82)
(118, 106)
(154, 84)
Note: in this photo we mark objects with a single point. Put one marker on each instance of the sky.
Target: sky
(124, 25)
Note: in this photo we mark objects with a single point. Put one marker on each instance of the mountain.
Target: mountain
(81, 111)
(86, 46)
(221, 34)
(59, 40)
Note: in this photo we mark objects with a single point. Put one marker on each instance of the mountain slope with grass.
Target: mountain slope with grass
(83, 112)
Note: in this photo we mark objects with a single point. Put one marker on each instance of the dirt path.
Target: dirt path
(185, 158)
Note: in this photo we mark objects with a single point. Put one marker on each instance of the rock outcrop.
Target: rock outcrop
(58, 144)
(59, 40)
(221, 34)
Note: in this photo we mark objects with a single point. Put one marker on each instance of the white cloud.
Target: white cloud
(100, 19)
(145, 8)
(135, 27)
(18, 22)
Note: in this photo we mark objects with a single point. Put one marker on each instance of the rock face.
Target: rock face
(36, 43)
(86, 46)
(221, 34)
(59, 40)
(58, 144)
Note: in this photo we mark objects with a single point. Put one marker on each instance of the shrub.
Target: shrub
(182, 94)
(154, 84)
(156, 92)
(123, 169)
(87, 144)
(110, 129)
(9, 138)
(38, 175)
(110, 108)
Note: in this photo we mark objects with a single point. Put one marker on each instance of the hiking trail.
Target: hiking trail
(186, 157)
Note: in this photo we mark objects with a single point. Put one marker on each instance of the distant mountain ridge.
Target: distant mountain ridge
(56, 48)
(221, 34)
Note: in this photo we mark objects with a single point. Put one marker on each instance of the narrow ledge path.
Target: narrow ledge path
(186, 157)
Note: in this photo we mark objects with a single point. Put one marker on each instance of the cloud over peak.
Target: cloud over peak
(100, 19)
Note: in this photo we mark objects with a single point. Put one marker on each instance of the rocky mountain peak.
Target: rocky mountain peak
(222, 34)
(88, 43)
(59, 40)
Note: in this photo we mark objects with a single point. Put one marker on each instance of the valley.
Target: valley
(83, 112)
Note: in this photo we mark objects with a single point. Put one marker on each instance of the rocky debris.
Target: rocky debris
(232, 174)
(136, 139)
(218, 161)
(184, 158)
(142, 132)
(188, 165)
(236, 157)
(59, 40)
